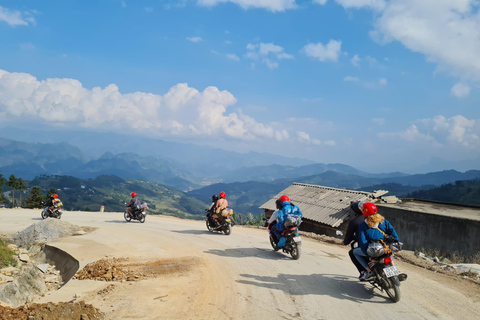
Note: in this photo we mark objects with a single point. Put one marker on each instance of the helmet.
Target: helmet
(222, 194)
(134, 194)
(54, 196)
(368, 208)
(214, 197)
(284, 198)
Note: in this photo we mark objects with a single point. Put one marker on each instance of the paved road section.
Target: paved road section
(239, 276)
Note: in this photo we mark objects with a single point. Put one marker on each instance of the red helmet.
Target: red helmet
(368, 208)
(54, 196)
(134, 194)
(284, 198)
(222, 195)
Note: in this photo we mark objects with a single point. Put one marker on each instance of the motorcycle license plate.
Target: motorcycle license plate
(391, 271)
(297, 239)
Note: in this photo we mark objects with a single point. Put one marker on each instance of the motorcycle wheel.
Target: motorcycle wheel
(209, 227)
(392, 288)
(296, 250)
(274, 245)
(228, 229)
(44, 216)
(142, 218)
(127, 217)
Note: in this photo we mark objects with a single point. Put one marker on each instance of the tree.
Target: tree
(22, 185)
(2, 182)
(35, 198)
(13, 183)
(50, 192)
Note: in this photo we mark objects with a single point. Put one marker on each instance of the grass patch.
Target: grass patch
(6, 256)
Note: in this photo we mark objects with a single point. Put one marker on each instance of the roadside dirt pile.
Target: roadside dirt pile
(44, 231)
(120, 269)
(44, 311)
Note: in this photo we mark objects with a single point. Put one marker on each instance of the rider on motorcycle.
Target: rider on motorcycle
(221, 208)
(52, 201)
(351, 236)
(374, 227)
(289, 215)
(134, 206)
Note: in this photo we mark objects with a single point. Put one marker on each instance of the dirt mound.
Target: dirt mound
(62, 310)
(43, 231)
(118, 269)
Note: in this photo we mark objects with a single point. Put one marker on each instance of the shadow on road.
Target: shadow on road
(197, 231)
(333, 285)
(121, 221)
(37, 219)
(249, 252)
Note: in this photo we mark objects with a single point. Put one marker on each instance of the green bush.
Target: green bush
(6, 256)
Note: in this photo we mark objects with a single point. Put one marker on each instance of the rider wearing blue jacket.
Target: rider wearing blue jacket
(287, 210)
(368, 231)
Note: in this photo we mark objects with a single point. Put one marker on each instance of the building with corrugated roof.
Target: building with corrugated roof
(325, 210)
(421, 225)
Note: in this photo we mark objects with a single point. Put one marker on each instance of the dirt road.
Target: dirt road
(238, 276)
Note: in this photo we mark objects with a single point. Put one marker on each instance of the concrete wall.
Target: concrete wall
(434, 232)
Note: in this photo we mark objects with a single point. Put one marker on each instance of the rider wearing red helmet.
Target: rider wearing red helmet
(374, 227)
(134, 206)
(288, 216)
(221, 208)
(51, 202)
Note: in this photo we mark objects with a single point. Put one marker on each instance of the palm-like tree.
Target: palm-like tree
(13, 183)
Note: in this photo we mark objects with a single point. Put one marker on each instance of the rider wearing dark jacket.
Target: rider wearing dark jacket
(134, 206)
(351, 237)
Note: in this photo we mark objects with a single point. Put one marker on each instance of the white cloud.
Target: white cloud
(460, 90)
(382, 82)
(374, 4)
(148, 9)
(232, 56)
(330, 52)
(14, 17)
(350, 78)
(270, 5)
(183, 111)
(447, 32)
(456, 132)
(124, 4)
(194, 39)
(305, 138)
(320, 2)
(267, 53)
(379, 121)
(355, 60)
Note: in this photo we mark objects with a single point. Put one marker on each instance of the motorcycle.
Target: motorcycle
(386, 276)
(293, 243)
(56, 211)
(137, 215)
(224, 224)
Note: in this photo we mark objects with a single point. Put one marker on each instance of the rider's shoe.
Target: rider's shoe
(362, 274)
(282, 242)
(367, 276)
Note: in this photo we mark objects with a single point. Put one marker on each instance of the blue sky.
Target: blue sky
(376, 84)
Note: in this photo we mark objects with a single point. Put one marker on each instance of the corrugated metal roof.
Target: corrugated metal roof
(329, 206)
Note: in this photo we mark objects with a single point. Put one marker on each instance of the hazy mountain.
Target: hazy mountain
(112, 192)
(248, 196)
(202, 161)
